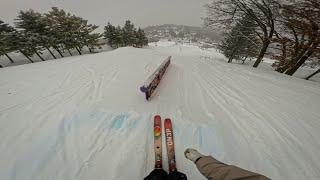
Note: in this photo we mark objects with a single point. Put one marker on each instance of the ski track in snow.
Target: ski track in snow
(84, 117)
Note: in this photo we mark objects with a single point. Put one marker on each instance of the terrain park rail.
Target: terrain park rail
(154, 79)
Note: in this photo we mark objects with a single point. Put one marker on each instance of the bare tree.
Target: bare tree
(313, 74)
(302, 17)
(263, 12)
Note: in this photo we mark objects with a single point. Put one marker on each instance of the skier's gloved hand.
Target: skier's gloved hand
(193, 155)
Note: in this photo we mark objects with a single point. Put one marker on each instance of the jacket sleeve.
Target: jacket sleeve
(215, 170)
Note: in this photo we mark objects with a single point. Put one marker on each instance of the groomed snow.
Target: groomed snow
(84, 117)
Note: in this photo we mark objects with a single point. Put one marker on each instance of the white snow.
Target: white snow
(85, 118)
(20, 59)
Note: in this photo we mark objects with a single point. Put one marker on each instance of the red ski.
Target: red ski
(157, 142)
(170, 145)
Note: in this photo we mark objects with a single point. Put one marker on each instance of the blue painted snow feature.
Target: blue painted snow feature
(36, 158)
(118, 121)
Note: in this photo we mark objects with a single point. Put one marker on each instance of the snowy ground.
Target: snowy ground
(20, 59)
(84, 117)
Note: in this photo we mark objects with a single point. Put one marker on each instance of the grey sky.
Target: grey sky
(99, 12)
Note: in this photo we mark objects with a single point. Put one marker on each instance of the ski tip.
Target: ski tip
(167, 122)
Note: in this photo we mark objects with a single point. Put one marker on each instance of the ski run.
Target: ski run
(85, 117)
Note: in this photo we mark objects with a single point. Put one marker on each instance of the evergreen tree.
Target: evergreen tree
(118, 36)
(114, 35)
(32, 29)
(58, 24)
(141, 38)
(75, 35)
(55, 29)
(71, 31)
(93, 41)
(5, 45)
(129, 34)
(110, 34)
(126, 36)
(145, 40)
(87, 37)
(241, 42)
(21, 43)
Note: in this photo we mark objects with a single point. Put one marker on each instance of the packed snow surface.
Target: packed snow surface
(85, 118)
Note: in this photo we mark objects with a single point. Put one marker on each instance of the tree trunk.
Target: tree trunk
(286, 66)
(78, 50)
(282, 69)
(244, 59)
(310, 76)
(9, 58)
(39, 55)
(57, 49)
(69, 52)
(51, 53)
(26, 56)
(302, 60)
(263, 51)
(231, 58)
(89, 49)
(283, 64)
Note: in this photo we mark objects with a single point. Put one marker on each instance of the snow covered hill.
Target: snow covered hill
(84, 117)
(182, 33)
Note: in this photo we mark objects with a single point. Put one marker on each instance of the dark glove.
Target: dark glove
(157, 174)
(177, 176)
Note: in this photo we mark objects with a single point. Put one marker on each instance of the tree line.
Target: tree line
(59, 31)
(127, 35)
(287, 30)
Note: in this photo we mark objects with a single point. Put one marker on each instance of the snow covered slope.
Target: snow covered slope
(84, 117)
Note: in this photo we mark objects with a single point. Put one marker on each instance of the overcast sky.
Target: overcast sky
(99, 12)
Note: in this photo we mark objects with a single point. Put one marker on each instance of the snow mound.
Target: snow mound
(84, 117)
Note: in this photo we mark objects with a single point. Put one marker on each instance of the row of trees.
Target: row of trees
(292, 26)
(35, 32)
(58, 31)
(127, 35)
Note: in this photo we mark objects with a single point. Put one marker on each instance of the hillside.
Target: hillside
(84, 118)
(182, 33)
